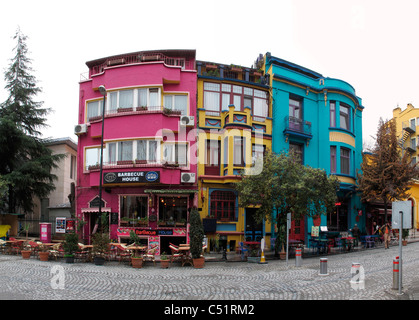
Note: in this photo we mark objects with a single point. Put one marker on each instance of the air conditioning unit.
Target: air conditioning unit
(188, 177)
(80, 129)
(187, 121)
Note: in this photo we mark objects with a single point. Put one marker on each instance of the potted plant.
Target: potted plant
(70, 246)
(43, 252)
(100, 243)
(405, 234)
(136, 260)
(26, 252)
(196, 235)
(164, 261)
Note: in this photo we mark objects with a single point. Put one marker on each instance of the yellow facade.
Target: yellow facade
(407, 122)
(222, 128)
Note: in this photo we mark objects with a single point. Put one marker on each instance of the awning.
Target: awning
(171, 191)
(94, 209)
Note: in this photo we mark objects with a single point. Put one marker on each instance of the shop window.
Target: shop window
(173, 210)
(133, 208)
(223, 205)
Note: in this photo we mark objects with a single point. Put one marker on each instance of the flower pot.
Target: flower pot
(137, 262)
(26, 254)
(404, 242)
(199, 263)
(99, 261)
(282, 255)
(164, 264)
(43, 256)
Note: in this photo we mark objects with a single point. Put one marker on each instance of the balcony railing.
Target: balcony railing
(297, 127)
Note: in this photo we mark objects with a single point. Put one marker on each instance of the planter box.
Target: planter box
(164, 264)
(199, 263)
(137, 262)
(99, 261)
(124, 162)
(120, 110)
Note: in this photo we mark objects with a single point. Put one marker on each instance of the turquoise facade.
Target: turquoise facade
(303, 118)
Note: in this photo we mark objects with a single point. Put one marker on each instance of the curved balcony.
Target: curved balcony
(297, 128)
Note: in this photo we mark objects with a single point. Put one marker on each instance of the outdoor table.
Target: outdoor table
(136, 249)
(186, 257)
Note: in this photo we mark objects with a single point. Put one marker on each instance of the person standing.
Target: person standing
(386, 231)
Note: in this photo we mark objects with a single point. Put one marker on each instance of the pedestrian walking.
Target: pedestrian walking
(356, 233)
(386, 231)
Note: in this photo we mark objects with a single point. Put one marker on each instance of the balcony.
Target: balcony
(297, 128)
(407, 126)
(232, 72)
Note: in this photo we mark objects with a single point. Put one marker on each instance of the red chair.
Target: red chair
(330, 245)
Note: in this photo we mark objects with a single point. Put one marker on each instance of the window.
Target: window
(257, 152)
(176, 102)
(239, 151)
(298, 151)
(295, 114)
(344, 117)
(146, 150)
(92, 157)
(124, 151)
(73, 160)
(175, 153)
(333, 159)
(133, 207)
(126, 99)
(345, 160)
(173, 209)
(413, 143)
(223, 205)
(332, 114)
(218, 97)
(212, 158)
(94, 109)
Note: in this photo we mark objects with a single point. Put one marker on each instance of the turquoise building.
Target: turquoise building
(320, 118)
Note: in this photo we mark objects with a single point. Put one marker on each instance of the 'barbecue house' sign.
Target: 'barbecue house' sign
(131, 177)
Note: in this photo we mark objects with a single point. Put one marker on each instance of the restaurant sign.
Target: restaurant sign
(125, 232)
(131, 177)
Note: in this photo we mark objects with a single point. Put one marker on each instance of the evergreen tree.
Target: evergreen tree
(25, 161)
(386, 171)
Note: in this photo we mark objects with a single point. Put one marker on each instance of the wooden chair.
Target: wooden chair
(123, 253)
(55, 251)
(81, 254)
(175, 254)
(150, 255)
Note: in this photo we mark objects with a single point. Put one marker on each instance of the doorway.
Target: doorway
(253, 230)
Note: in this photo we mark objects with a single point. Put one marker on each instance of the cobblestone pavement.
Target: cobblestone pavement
(276, 280)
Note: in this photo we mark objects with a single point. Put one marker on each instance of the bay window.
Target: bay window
(344, 117)
(218, 97)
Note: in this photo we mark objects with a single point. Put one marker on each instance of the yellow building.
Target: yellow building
(407, 122)
(235, 128)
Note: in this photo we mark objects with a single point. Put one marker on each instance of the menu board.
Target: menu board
(314, 231)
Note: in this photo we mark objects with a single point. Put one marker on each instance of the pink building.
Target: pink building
(149, 156)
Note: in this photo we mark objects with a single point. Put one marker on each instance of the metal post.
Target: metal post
(396, 273)
(400, 251)
(102, 91)
(323, 267)
(298, 257)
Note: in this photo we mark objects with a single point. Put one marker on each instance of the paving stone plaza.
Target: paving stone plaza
(219, 280)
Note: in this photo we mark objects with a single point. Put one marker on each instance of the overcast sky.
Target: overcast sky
(370, 44)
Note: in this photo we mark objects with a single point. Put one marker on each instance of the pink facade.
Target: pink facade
(149, 166)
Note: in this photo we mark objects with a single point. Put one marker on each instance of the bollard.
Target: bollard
(396, 273)
(357, 277)
(323, 267)
(298, 257)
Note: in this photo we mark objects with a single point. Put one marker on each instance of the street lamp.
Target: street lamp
(102, 90)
